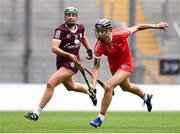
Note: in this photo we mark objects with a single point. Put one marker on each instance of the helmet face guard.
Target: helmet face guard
(101, 33)
(102, 29)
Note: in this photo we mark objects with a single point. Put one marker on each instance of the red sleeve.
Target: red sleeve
(98, 50)
(125, 33)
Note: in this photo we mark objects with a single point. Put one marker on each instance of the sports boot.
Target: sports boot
(96, 122)
(31, 116)
(148, 102)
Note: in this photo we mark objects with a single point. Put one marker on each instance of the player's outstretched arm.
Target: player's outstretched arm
(162, 25)
(139, 27)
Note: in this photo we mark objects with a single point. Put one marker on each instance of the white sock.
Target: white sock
(37, 110)
(102, 116)
(145, 97)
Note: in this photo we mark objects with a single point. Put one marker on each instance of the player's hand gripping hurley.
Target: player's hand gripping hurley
(100, 82)
(82, 68)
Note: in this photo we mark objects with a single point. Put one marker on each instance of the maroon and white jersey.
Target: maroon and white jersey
(70, 41)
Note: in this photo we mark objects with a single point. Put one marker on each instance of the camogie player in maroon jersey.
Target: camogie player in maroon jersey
(66, 44)
(112, 42)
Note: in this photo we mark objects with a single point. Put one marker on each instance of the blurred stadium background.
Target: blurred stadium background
(27, 27)
(26, 63)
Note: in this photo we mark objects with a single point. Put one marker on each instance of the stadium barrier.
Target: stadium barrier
(21, 97)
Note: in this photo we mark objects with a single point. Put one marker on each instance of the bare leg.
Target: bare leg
(57, 78)
(115, 80)
(106, 100)
(119, 78)
(77, 87)
(133, 88)
(126, 85)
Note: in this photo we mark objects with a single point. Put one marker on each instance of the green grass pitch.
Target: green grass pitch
(78, 122)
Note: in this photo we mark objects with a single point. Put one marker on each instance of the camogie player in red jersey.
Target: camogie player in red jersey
(112, 42)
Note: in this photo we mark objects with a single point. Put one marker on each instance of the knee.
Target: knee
(126, 87)
(50, 85)
(69, 87)
(108, 88)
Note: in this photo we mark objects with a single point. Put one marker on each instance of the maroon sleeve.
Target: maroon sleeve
(57, 34)
(81, 29)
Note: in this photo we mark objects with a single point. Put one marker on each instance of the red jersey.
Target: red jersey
(117, 51)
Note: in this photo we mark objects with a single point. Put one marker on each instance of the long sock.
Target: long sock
(38, 110)
(102, 116)
(145, 97)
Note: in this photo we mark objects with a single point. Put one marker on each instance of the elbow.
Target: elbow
(139, 27)
(54, 50)
(55, 47)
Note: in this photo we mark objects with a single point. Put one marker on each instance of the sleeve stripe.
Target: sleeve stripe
(129, 30)
(96, 47)
(57, 34)
(57, 40)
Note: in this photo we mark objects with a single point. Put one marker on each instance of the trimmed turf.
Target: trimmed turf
(78, 122)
